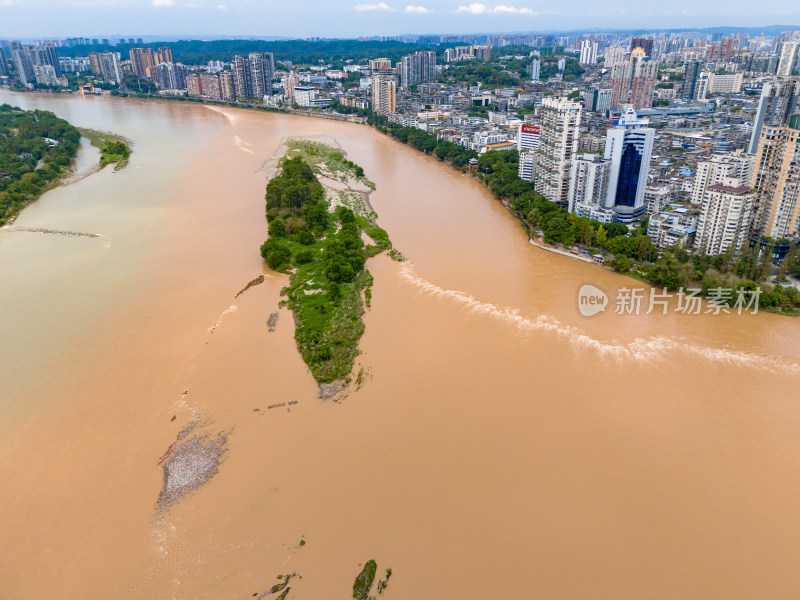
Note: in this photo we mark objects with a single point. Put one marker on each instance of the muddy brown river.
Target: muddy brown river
(501, 445)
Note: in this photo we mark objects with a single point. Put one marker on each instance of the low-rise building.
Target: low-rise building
(656, 198)
(676, 227)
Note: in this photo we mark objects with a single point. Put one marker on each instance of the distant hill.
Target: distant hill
(196, 52)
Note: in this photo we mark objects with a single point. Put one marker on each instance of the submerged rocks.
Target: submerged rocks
(53, 231)
(329, 390)
(189, 465)
(258, 280)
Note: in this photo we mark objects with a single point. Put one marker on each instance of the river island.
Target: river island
(319, 214)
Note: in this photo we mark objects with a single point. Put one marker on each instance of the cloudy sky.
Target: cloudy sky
(339, 18)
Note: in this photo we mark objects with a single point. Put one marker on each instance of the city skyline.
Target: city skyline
(208, 18)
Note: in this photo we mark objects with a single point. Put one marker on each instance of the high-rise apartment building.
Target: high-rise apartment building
(110, 69)
(211, 86)
(779, 100)
(788, 58)
(527, 164)
(599, 100)
(691, 73)
(193, 86)
(240, 67)
(457, 53)
(723, 83)
(629, 146)
(726, 213)
(560, 121)
(719, 168)
(45, 75)
(536, 67)
(482, 53)
(776, 180)
(3, 68)
(22, 63)
(767, 65)
(417, 68)
(614, 55)
(252, 75)
(384, 94)
(261, 73)
(94, 64)
(143, 61)
(45, 55)
(226, 86)
(163, 55)
(528, 137)
(290, 82)
(634, 83)
(588, 50)
(588, 187)
(377, 65)
(171, 76)
(645, 44)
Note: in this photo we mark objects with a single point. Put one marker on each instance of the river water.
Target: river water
(502, 445)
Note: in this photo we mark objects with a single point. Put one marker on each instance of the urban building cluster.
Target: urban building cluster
(697, 133)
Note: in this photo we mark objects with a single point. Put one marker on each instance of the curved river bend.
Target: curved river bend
(502, 445)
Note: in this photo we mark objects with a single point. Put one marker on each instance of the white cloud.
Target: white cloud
(418, 10)
(476, 8)
(5, 2)
(502, 8)
(222, 7)
(378, 6)
(163, 2)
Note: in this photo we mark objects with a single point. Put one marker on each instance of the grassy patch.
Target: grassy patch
(327, 160)
(364, 581)
(329, 326)
(114, 149)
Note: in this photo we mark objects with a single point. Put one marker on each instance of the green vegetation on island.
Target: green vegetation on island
(364, 580)
(114, 149)
(315, 234)
(36, 148)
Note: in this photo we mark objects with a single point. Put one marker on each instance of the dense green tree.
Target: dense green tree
(276, 253)
(601, 236)
(28, 162)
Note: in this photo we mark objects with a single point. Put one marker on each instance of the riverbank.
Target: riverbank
(630, 252)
